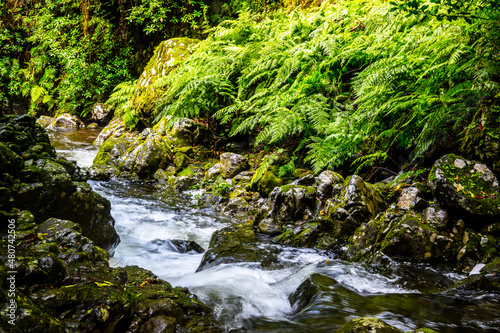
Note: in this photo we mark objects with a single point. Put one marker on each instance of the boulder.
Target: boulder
(128, 156)
(45, 121)
(326, 182)
(213, 172)
(291, 203)
(231, 164)
(167, 55)
(102, 114)
(266, 184)
(11, 162)
(67, 120)
(405, 236)
(238, 243)
(409, 198)
(114, 129)
(466, 187)
(358, 202)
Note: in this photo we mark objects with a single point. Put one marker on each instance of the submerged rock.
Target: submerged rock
(369, 325)
(175, 245)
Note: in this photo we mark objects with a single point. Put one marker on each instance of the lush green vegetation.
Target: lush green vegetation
(352, 81)
(346, 80)
(64, 56)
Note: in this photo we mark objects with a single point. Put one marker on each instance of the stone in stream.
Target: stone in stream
(369, 325)
(67, 120)
(176, 245)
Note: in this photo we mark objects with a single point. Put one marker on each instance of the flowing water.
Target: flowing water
(248, 297)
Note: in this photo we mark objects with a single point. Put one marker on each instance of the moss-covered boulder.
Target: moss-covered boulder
(266, 184)
(130, 156)
(404, 236)
(67, 120)
(114, 129)
(11, 162)
(168, 55)
(357, 203)
(466, 187)
(239, 243)
(231, 164)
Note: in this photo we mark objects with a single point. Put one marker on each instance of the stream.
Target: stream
(251, 297)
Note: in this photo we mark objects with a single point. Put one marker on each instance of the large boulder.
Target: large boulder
(168, 55)
(406, 236)
(148, 153)
(238, 243)
(466, 187)
(357, 203)
(128, 156)
(231, 164)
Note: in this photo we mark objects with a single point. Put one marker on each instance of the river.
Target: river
(250, 297)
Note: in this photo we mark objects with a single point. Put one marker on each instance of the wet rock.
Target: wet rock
(307, 180)
(184, 183)
(309, 289)
(302, 234)
(114, 129)
(292, 203)
(236, 205)
(368, 325)
(159, 324)
(148, 153)
(67, 121)
(326, 182)
(269, 226)
(45, 121)
(466, 187)
(102, 114)
(93, 126)
(127, 156)
(403, 235)
(175, 245)
(235, 244)
(231, 164)
(358, 202)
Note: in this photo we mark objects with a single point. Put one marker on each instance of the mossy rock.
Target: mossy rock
(466, 187)
(368, 325)
(267, 183)
(168, 55)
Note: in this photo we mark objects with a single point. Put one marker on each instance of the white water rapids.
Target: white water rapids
(248, 297)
